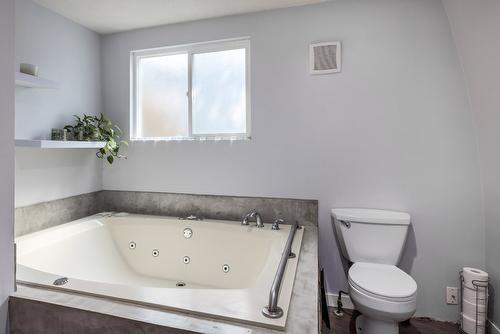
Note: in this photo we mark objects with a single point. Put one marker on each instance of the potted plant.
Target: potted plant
(99, 128)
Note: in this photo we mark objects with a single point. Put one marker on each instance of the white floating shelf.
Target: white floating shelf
(58, 143)
(30, 81)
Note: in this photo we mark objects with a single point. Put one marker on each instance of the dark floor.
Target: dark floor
(346, 325)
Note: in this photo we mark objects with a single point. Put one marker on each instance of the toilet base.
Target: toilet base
(365, 325)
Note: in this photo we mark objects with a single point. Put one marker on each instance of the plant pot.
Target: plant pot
(95, 136)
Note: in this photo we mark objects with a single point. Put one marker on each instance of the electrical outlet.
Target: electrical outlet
(451, 295)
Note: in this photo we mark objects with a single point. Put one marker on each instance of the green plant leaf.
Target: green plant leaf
(100, 128)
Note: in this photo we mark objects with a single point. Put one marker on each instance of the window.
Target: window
(196, 91)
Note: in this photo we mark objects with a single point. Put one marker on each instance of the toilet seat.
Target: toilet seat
(381, 281)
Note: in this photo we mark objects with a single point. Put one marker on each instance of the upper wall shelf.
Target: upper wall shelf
(30, 81)
(58, 144)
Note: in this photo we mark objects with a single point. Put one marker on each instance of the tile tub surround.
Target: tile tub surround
(209, 206)
(303, 315)
(40, 216)
(48, 214)
(32, 317)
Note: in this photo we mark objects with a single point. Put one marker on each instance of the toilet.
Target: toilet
(373, 240)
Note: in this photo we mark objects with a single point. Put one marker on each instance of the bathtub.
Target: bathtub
(212, 268)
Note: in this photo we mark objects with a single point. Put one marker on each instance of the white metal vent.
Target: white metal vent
(325, 58)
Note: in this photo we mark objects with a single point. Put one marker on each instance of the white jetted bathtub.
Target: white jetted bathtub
(211, 267)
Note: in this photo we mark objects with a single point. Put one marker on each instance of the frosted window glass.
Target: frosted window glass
(219, 92)
(162, 96)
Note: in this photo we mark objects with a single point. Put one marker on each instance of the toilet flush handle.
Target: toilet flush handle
(346, 223)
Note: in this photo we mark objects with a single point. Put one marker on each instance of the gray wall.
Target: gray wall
(393, 130)
(69, 54)
(7, 160)
(476, 26)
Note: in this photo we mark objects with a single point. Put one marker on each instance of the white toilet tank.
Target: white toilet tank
(370, 235)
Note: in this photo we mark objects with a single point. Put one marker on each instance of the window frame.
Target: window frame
(190, 50)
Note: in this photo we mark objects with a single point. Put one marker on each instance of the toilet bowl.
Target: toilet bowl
(373, 240)
(384, 294)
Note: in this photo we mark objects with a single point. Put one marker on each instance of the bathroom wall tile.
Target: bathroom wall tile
(148, 203)
(131, 201)
(48, 214)
(303, 312)
(307, 211)
(210, 206)
(34, 317)
(117, 200)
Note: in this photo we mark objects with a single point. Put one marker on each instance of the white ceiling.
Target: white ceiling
(108, 16)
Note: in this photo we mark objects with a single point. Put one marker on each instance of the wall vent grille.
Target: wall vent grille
(325, 58)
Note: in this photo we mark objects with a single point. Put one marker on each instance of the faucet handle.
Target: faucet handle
(252, 213)
(276, 224)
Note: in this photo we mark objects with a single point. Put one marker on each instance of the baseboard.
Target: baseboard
(494, 329)
(331, 299)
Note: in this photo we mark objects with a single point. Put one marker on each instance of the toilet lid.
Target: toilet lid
(382, 280)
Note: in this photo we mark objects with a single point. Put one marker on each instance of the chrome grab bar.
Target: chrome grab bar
(273, 310)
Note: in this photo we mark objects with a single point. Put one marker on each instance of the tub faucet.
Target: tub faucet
(252, 214)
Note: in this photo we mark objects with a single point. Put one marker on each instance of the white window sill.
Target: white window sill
(193, 139)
